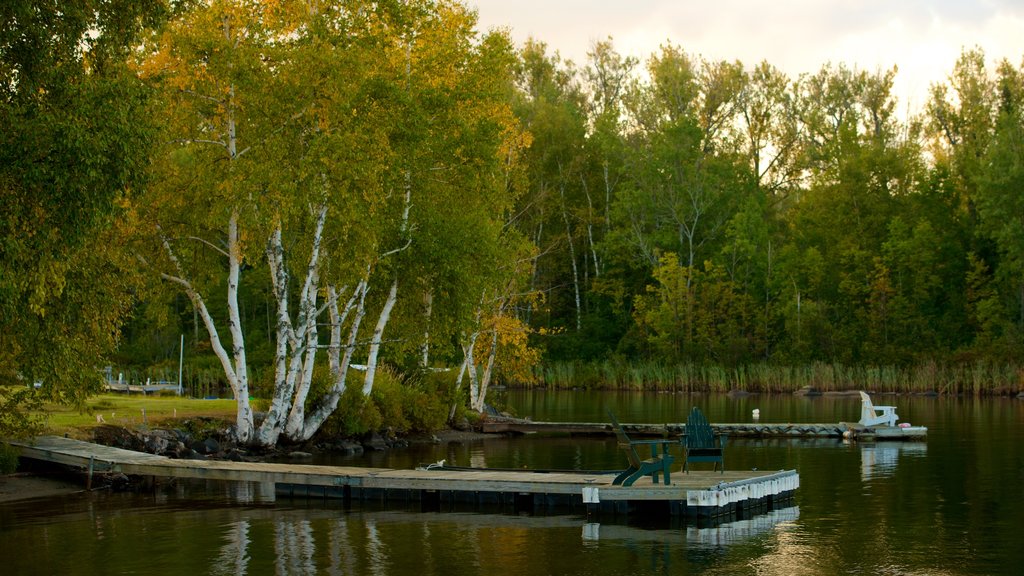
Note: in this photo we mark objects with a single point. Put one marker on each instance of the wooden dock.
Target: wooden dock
(744, 430)
(143, 388)
(697, 494)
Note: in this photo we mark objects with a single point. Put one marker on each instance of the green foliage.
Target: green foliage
(201, 428)
(399, 403)
(707, 223)
(17, 404)
(8, 459)
(75, 144)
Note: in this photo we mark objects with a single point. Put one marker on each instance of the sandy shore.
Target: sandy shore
(24, 485)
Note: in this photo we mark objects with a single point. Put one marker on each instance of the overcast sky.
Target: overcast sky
(922, 38)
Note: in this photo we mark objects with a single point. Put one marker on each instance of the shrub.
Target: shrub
(8, 459)
(400, 402)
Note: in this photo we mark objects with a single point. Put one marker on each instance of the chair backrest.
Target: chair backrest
(624, 441)
(871, 415)
(698, 431)
(867, 409)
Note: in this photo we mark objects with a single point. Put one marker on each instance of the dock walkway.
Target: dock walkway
(751, 430)
(698, 494)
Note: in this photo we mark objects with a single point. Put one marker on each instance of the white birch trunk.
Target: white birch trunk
(199, 305)
(295, 353)
(428, 304)
(306, 339)
(485, 380)
(590, 228)
(339, 360)
(271, 426)
(244, 419)
(378, 333)
(467, 357)
(572, 258)
(470, 365)
(607, 201)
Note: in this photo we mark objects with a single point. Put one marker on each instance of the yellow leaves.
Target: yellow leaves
(515, 358)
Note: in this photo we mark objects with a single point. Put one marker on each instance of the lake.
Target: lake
(950, 506)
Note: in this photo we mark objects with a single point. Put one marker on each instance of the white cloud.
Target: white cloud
(922, 38)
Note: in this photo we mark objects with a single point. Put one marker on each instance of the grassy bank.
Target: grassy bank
(398, 404)
(977, 378)
(131, 411)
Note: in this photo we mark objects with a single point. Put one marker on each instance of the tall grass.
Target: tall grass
(977, 378)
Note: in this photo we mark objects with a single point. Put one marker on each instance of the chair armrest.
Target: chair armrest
(648, 442)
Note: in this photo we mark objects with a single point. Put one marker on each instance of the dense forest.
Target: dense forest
(300, 187)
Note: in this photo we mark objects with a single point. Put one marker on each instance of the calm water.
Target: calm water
(951, 506)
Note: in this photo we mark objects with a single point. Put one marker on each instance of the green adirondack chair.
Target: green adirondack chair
(657, 464)
(700, 442)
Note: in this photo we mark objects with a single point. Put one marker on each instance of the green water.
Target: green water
(950, 506)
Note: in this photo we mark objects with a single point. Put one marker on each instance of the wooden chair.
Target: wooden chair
(638, 467)
(701, 443)
(871, 415)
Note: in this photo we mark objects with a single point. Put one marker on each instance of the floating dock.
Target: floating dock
(702, 494)
(752, 430)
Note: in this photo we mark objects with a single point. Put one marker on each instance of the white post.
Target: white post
(181, 360)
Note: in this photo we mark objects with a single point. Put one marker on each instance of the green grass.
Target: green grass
(125, 410)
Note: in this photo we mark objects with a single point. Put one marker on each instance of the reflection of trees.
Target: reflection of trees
(234, 554)
(375, 549)
(341, 552)
(294, 547)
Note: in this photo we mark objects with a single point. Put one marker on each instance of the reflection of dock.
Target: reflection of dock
(880, 460)
(696, 494)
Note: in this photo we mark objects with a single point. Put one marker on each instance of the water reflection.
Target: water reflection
(234, 554)
(379, 542)
(294, 547)
(717, 536)
(945, 507)
(880, 460)
(742, 530)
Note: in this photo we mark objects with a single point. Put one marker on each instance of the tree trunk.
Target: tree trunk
(339, 361)
(295, 354)
(378, 333)
(485, 380)
(590, 229)
(572, 257)
(271, 426)
(470, 365)
(428, 305)
(244, 419)
(306, 336)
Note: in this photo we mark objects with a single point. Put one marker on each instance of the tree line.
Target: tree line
(713, 212)
(314, 190)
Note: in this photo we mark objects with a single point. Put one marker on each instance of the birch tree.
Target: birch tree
(328, 142)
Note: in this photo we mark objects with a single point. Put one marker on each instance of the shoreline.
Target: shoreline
(28, 485)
